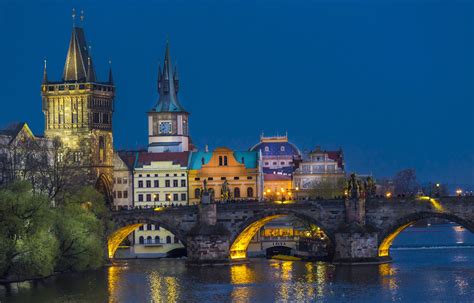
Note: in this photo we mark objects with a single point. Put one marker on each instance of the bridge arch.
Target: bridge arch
(389, 234)
(126, 227)
(240, 240)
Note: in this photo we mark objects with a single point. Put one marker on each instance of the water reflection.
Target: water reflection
(163, 289)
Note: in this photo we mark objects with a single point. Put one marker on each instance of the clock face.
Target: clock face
(165, 127)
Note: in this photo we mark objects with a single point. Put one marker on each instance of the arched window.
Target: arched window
(157, 239)
(220, 160)
(157, 227)
(225, 160)
(141, 240)
(149, 240)
(141, 227)
(282, 148)
(176, 240)
(149, 227)
(101, 149)
(267, 148)
(250, 192)
(197, 193)
(168, 239)
(236, 192)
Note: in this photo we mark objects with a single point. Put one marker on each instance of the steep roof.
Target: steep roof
(78, 66)
(168, 86)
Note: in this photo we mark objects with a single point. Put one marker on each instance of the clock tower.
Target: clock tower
(168, 120)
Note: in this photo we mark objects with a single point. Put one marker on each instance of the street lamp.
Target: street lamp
(459, 192)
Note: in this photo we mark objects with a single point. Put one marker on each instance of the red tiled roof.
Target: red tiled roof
(145, 158)
(336, 156)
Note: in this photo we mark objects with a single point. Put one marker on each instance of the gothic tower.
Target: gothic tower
(168, 120)
(78, 109)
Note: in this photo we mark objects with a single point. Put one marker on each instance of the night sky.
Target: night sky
(389, 81)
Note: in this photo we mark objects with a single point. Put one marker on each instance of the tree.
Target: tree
(27, 247)
(405, 182)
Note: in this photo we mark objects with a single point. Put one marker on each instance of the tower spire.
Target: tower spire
(45, 74)
(168, 83)
(111, 78)
(77, 67)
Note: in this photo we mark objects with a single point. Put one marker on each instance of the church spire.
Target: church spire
(45, 73)
(168, 83)
(78, 66)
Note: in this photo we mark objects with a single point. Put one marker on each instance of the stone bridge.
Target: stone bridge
(360, 230)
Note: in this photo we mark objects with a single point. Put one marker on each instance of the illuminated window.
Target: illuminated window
(156, 197)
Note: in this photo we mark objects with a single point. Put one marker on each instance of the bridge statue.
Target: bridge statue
(225, 192)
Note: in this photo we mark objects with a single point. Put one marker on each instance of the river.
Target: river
(431, 264)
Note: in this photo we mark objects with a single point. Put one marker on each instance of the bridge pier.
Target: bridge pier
(208, 242)
(355, 242)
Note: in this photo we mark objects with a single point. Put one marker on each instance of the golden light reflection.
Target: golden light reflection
(118, 236)
(238, 249)
(387, 273)
(163, 289)
(113, 279)
(241, 274)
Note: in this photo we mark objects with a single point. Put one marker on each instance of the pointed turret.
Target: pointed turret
(78, 66)
(45, 74)
(168, 84)
(111, 77)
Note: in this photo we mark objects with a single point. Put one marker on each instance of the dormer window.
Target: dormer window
(267, 148)
(282, 148)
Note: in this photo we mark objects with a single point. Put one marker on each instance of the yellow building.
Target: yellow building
(278, 187)
(78, 109)
(240, 170)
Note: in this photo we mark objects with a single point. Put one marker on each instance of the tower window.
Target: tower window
(102, 149)
(220, 160)
(225, 160)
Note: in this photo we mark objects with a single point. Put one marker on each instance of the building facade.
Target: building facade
(280, 158)
(168, 129)
(160, 179)
(78, 109)
(238, 170)
(321, 171)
